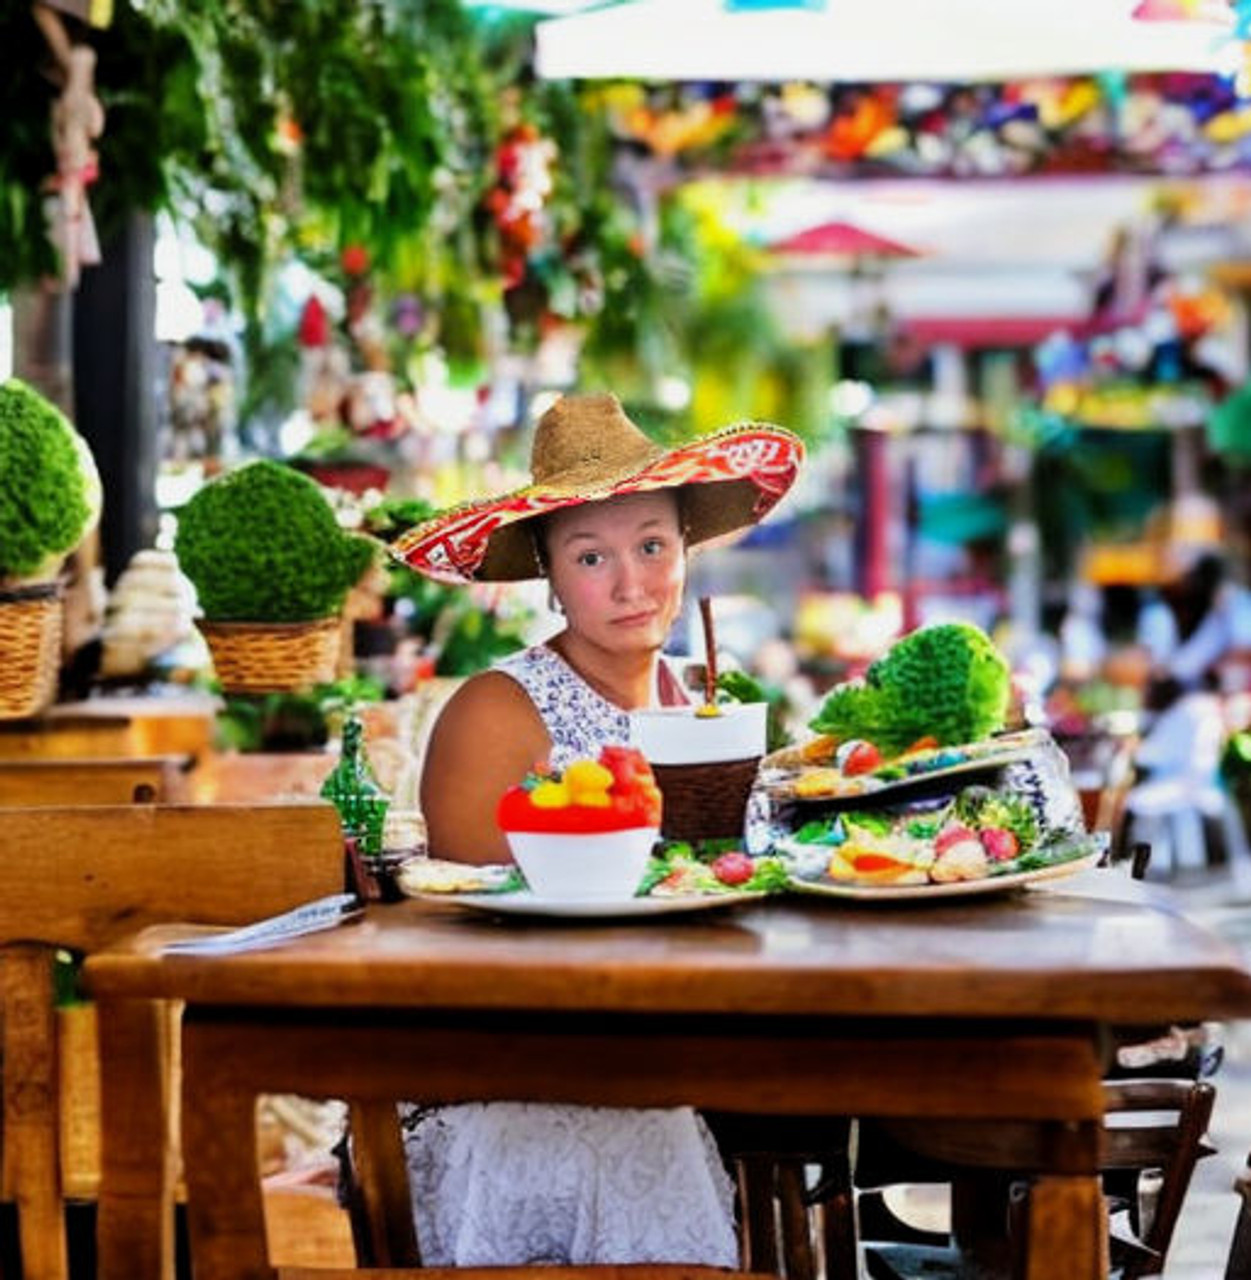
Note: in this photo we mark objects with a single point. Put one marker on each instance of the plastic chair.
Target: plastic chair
(1180, 806)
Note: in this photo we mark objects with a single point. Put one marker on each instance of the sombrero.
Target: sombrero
(585, 450)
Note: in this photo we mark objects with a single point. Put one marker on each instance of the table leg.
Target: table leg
(30, 1173)
(1067, 1235)
(381, 1172)
(135, 1232)
(225, 1209)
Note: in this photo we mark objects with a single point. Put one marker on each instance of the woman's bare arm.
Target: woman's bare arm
(488, 735)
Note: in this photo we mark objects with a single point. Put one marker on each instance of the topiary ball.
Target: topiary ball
(261, 544)
(49, 486)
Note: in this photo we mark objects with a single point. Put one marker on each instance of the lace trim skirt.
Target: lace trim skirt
(514, 1184)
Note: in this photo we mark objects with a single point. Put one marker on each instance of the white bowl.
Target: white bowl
(605, 864)
(676, 735)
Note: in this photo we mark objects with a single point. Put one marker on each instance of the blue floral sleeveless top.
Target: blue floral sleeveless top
(578, 720)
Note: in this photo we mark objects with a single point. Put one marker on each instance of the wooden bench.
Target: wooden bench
(94, 780)
(112, 727)
(79, 878)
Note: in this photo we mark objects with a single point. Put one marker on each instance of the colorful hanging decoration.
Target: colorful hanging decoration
(77, 123)
(1167, 122)
(517, 202)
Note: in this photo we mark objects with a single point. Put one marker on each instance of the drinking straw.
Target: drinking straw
(710, 651)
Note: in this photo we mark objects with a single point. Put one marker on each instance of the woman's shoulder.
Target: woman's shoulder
(488, 707)
(489, 692)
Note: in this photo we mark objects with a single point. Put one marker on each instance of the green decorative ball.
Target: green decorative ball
(49, 487)
(261, 544)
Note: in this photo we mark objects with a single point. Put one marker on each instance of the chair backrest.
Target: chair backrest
(82, 877)
(94, 780)
(1158, 1125)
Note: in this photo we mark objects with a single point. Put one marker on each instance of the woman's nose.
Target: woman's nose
(627, 582)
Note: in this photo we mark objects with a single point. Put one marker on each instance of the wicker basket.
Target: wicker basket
(30, 648)
(273, 657)
(705, 801)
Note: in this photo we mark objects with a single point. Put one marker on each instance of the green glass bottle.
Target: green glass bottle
(357, 795)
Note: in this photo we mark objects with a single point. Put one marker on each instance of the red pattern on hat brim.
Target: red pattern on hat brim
(452, 546)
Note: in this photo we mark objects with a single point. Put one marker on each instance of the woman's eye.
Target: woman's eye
(654, 547)
(590, 559)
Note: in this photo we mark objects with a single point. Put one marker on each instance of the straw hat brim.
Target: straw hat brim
(730, 480)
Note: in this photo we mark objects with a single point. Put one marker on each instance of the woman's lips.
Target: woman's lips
(634, 620)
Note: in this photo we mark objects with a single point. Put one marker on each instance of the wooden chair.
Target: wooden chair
(790, 1221)
(1154, 1135)
(94, 780)
(79, 878)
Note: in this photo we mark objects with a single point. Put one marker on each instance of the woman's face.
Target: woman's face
(618, 568)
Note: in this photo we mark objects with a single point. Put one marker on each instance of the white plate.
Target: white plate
(525, 903)
(957, 889)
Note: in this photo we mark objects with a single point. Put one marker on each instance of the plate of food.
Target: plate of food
(678, 878)
(856, 768)
(1080, 858)
(978, 840)
(434, 877)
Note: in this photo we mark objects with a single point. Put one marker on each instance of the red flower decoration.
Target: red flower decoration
(354, 259)
(314, 324)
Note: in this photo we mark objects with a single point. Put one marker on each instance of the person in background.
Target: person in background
(608, 520)
(1201, 618)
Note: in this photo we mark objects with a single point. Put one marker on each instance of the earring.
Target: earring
(553, 602)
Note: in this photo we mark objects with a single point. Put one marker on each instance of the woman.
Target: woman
(608, 520)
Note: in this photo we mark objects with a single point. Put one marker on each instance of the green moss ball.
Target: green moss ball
(261, 544)
(49, 488)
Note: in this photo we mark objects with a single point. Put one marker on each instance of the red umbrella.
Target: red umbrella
(844, 240)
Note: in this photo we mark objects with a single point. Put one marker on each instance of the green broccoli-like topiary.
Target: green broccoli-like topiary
(946, 681)
(49, 487)
(261, 544)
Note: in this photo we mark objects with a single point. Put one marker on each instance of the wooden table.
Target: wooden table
(982, 1008)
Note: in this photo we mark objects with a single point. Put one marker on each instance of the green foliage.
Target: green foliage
(26, 158)
(464, 635)
(473, 638)
(947, 681)
(393, 108)
(46, 490)
(394, 102)
(390, 516)
(261, 544)
(155, 129)
(291, 721)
